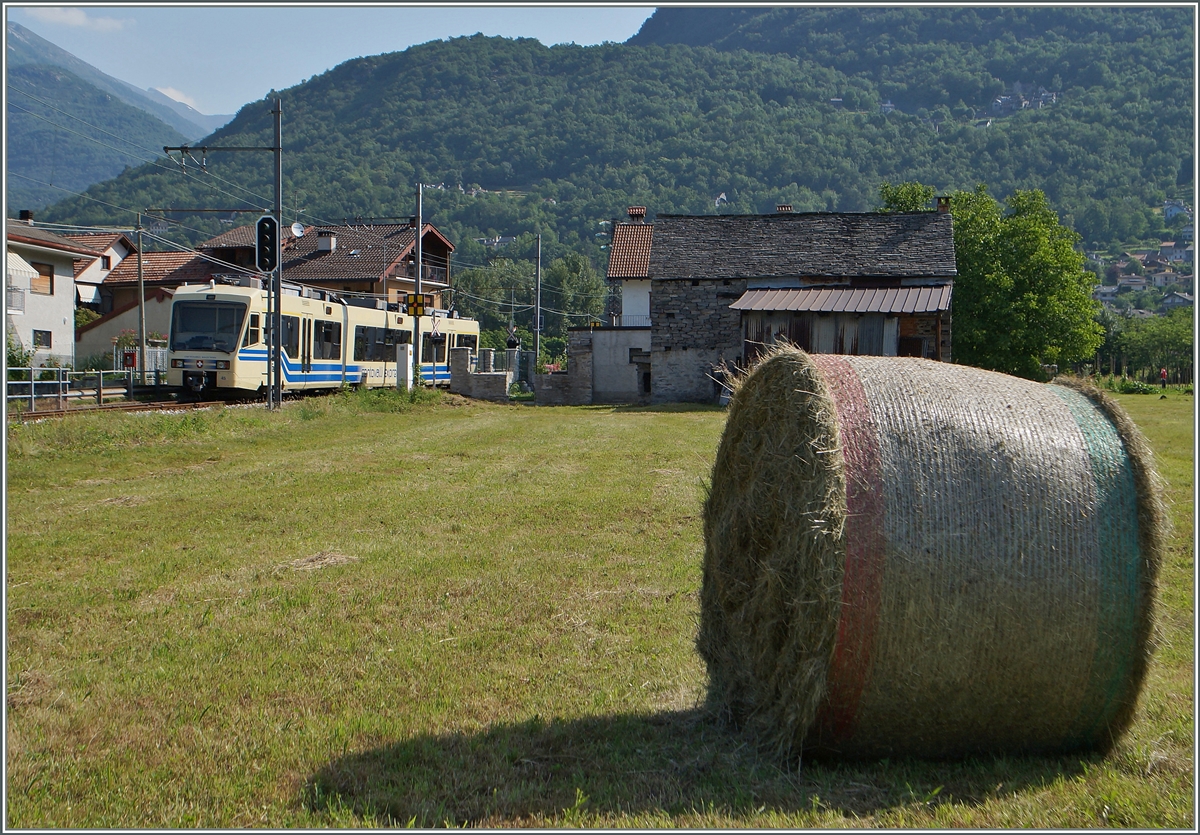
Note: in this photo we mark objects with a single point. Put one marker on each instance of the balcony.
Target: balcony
(428, 273)
(16, 300)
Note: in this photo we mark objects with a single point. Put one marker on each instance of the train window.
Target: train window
(433, 351)
(466, 340)
(206, 325)
(253, 335)
(374, 344)
(291, 336)
(327, 340)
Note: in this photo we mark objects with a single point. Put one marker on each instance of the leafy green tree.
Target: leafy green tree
(1022, 298)
(1159, 341)
(494, 294)
(905, 197)
(572, 293)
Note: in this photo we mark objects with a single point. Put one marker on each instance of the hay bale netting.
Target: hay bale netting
(907, 557)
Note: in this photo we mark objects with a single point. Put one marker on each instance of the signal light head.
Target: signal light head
(266, 244)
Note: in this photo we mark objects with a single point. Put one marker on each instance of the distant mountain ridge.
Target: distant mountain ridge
(64, 134)
(523, 138)
(26, 47)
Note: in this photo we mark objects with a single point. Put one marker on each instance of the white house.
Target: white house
(1172, 208)
(114, 247)
(40, 278)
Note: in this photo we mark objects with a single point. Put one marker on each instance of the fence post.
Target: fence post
(129, 386)
(100, 387)
(62, 373)
(32, 387)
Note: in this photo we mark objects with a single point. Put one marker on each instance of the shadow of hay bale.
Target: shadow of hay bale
(676, 763)
(910, 558)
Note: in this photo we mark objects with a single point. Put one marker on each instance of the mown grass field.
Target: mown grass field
(449, 613)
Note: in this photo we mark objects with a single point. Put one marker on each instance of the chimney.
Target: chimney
(943, 204)
(326, 241)
(637, 214)
(784, 208)
(26, 216)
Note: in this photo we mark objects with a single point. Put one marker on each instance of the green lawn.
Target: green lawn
(453, 613)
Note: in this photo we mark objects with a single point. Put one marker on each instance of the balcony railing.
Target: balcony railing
(16, 299)
(631, 321)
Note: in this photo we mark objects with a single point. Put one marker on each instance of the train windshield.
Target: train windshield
(206, 326)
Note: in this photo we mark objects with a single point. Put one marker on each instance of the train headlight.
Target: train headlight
(178, 364)
(222, 364)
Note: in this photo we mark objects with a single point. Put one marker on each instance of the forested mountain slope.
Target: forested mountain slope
(25, 47)
(64, 134)
(575, 134)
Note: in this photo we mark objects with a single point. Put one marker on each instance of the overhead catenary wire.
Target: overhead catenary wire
(365, 228)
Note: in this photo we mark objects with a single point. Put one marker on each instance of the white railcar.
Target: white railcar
(218, 340)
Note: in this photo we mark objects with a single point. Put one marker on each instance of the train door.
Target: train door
(297, 350)
(306, 332)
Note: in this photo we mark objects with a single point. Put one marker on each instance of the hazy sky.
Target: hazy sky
(219, 57)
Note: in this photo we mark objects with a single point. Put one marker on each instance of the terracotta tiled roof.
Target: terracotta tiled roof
(824, 244)
(22, 233)
(629, 254)
(99, 240)
(166, 267)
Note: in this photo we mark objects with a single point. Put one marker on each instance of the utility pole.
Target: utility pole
(417, 291)
(141, 304)
(537, 305)
(277, 317)
(275, 363)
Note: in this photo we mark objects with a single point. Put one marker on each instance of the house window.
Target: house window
(43, 282)
(41, 339)
(106, 262)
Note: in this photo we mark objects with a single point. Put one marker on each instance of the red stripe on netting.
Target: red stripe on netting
(850, 667)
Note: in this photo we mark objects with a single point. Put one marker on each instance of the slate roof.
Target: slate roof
(818, 244)
(241, 236)
(363, 253)
(377, 248)
(629, 251)
(934, 299)
(22, 233)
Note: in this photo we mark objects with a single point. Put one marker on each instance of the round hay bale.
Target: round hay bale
(908, 557)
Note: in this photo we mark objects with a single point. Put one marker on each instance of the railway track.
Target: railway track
(165, 405)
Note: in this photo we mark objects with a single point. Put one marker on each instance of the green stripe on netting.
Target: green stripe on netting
(1117, 565)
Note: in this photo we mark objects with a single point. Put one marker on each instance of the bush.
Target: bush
(84, 315)
(18, 357)
(387, 399)
(1131, 386)
(96, 362)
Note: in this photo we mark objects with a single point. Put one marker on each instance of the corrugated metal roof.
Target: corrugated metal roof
(629, 256)
(931, 299)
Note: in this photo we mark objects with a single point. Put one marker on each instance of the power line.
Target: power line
(153, 152)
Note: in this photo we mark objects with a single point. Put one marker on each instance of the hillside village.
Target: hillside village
(692, 297)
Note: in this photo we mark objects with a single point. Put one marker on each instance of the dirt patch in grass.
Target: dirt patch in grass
(124, 501)
(28, 687)
(321, 559)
